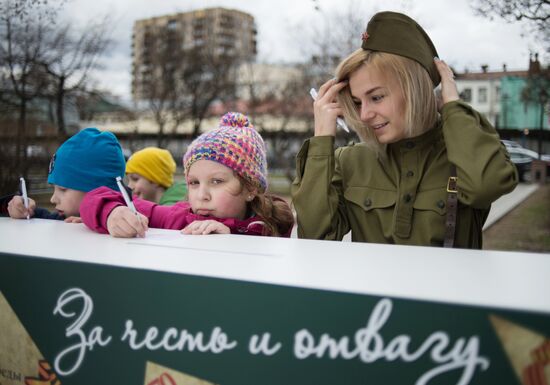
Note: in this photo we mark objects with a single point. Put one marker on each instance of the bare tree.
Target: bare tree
(39, 61)
(207, 76)
(179, 83)
(46, 9)
(537, 11)
(294, 105)
(332, 35)
(536, 14)
(21, 80)
(156, 80)
(70, 58)
(324, 43)
(536, 93)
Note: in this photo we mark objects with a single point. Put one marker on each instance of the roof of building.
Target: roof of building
(194, 13)
(489, 75)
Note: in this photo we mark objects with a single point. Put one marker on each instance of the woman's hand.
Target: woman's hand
(17, 209)
(449, 92)
(208, 226)
(326, 109)
(123, 223)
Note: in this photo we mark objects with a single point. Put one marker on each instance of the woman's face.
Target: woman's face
(380, 104)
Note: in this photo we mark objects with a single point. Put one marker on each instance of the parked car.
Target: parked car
(523, 157)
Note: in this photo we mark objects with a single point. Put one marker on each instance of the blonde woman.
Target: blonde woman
(419, 176)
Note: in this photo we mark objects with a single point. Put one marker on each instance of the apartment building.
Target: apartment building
(482, 90)
(224, 32)
(500, 95)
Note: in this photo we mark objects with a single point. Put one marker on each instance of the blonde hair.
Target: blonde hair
(413, 81)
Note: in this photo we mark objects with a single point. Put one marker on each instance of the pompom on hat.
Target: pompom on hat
(398, 34)
(87, 160)
(235, 144)
(153, 163)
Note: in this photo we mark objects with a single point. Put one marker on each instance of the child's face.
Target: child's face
(143, 188)
(67, 201)
(215, 191)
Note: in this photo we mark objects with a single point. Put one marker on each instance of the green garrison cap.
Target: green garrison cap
(398, 34)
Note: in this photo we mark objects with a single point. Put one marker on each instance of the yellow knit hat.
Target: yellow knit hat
(153, 163)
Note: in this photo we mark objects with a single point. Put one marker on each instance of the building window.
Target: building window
(482, 95)
(172, 24)
(466, 94)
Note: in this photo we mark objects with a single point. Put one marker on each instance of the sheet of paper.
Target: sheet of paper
(218, 243)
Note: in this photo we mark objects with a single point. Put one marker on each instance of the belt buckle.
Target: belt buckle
(451, 184)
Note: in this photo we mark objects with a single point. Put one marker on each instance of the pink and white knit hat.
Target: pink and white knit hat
(235, 144)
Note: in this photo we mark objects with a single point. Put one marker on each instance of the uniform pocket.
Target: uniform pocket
(369, 198)
(433, 200)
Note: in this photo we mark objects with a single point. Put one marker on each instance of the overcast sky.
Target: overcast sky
(461, 38)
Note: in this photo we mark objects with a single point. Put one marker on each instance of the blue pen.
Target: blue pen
(24, 195)
(339, 121)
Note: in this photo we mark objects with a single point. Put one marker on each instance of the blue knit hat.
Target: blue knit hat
(88, 160)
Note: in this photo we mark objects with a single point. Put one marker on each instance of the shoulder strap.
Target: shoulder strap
(452, 203)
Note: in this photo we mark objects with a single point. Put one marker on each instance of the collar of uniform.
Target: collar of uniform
(424, 140)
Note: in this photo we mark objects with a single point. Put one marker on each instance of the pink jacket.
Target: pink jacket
(98, 204)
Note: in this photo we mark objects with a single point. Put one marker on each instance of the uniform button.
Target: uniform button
(440, 204)
(410, 173)
(407, 198)
(368, 202)
(409, 145)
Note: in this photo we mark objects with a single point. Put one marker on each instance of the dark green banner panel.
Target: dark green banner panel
(96, 324)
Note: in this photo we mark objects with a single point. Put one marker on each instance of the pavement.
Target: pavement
(507, 202)
(499, 208)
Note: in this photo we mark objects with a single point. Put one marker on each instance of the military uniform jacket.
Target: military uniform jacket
(400, 197)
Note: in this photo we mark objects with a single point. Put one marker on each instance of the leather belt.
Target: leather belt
(452, 203)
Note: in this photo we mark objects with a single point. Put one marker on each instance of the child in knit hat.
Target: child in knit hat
(226, 173)
(85, 161)
(151, 176)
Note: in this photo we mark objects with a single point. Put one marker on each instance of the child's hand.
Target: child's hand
(123, 223)
(73, 219)
(17, 210)
(206, 227)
